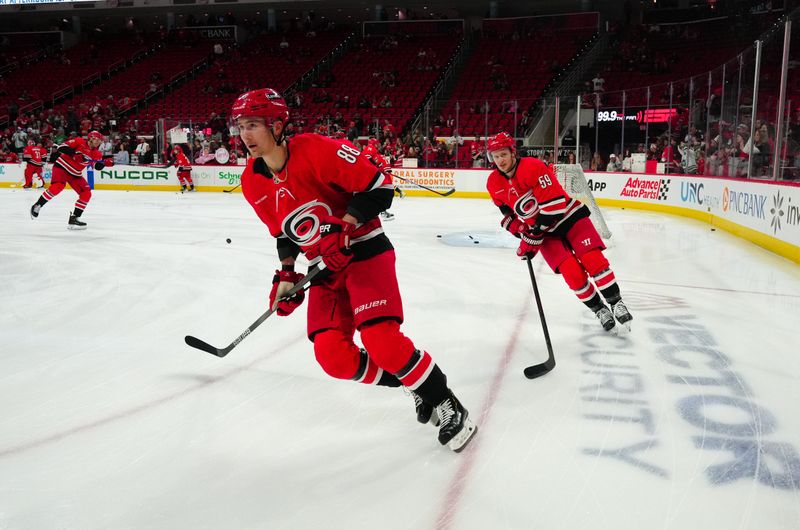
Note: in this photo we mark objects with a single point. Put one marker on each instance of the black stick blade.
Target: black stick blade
(538, 370)
(448, 192)
(194, 342)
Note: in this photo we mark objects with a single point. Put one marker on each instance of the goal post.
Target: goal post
(571, 177)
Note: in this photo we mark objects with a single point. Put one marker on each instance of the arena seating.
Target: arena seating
(359, 74)
(64, 70)
(521, 64)
(262, 63)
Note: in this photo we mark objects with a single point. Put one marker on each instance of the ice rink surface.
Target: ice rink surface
(109, 421)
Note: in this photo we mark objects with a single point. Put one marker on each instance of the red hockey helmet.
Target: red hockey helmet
(94, 135)
(264, 103)
(177, 149)
(373, 141)
(501, 140)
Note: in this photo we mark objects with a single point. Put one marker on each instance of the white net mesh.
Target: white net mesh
(571, 177)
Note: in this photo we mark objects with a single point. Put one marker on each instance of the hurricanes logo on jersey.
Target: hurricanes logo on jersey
(526, 206)
(302, 225)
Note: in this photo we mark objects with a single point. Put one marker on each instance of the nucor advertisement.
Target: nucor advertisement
(218, 176)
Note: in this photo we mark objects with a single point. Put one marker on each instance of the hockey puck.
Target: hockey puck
(713, 229)
(476, 242)
(439, 235)
(228, 241)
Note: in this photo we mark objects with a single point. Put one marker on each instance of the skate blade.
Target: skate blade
(464, 436)
(73, 227)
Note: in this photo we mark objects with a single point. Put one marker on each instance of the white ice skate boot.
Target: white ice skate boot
(606, 318)
(622, 314)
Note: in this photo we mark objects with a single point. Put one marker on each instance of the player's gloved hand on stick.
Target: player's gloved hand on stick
(99, 164)
(530, 244)
(334, 247)
(282, 282)
(513, 224)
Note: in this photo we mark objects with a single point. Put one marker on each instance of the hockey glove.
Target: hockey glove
(282, 282)
(98, 165)
(530, 244)
(512, 223)
(334, 247)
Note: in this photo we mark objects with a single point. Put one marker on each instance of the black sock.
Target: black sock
(434, 389)
(595, 303)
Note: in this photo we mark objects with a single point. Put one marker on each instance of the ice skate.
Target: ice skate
(191, 187)
(75, 223)
(183, 188)
(605, 317)
(622, 314)
(456, 429)
(35, 210)
(425, 413)
(387, 216)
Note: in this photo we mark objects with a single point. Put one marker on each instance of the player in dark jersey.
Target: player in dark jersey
(319, 196)
(537, 210)
(69, 161)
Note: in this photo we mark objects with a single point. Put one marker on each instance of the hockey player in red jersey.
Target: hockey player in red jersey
(33, 156)
(69, 160)
(374, 155)
(537, 210)
(318, 196)
(181, 162)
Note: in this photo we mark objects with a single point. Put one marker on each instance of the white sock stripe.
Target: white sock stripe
(378, 376)
(424, 376)
(584, 289)
(598, 277)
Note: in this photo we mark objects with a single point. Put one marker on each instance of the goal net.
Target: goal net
(571, 177)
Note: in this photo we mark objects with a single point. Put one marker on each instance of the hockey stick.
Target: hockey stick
(538, 370)
(194, 342)
(439, 193)
(232, 189)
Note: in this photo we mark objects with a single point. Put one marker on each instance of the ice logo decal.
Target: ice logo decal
(777, 212)
(526, 206)
(302, 225)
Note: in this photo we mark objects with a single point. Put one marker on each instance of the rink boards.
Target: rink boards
(765, 213)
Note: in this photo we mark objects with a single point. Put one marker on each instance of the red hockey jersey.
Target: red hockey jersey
(320, 178)
(34, 155)
(182, 162)
(75, 163)
(374, 156)
(535, 196)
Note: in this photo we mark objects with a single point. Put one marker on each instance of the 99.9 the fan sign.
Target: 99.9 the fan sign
(608, 115)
